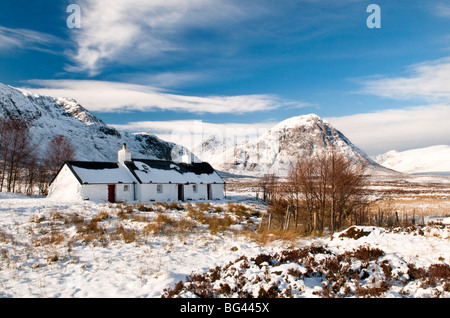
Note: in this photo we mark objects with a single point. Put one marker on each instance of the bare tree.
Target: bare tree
(42, 179)
(328, 187)
(15, 149)
(268, 184)
(20, 170)
(347, 184)
(59, 150)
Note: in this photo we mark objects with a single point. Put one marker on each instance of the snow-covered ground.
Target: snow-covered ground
(45, 251)
(143, 268)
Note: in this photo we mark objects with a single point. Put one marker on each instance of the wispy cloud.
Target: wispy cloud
(428, 81)
(399, 129)
(27, 39)
(146, 29)
(102, 96)
(441, 9)
(159, 31)
(170, 79)
(407, 128)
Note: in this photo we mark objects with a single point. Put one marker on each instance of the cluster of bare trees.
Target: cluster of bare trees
(21, 170)
(322, 191)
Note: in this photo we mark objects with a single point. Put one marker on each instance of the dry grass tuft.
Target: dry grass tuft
(52, 238)
(90, 231)
(123, 234)
(163, 224)
(266, 236)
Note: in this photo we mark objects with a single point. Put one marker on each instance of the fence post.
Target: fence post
(379, 217)
(270, 221)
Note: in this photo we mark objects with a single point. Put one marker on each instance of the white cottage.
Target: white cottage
(142, 180)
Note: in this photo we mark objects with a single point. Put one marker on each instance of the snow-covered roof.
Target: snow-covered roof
(143, 171)
(100, 172)
(161, 171)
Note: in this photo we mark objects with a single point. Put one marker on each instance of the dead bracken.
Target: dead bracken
(354, 233)
(357, 273)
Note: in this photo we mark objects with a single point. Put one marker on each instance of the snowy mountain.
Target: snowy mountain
(212, 147)
(283, 144)
(429, 160)
(92, 139)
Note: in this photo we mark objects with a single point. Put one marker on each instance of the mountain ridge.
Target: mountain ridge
(93, 140)
(271, 152)
(281, 146)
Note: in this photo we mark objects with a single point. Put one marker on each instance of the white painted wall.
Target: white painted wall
(189, 193)
(124, 195)
(65, 186)
(148, 192)
(99, 192)
(94, 192)
(217, 191)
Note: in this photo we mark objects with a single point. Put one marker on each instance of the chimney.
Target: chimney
(186, 157)
(124, 154)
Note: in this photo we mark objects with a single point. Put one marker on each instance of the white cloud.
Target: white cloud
(102, 96)
(407, 128)
(135, 32)
(130, 31)
(428, 81)
(27, 39)
(441, 10)
(397, 129)
(374, 133)
(170, 79)
(411, 127)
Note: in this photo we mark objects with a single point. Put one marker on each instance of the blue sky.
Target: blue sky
(158, 65)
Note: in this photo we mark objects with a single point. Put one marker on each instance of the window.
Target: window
(194, 188)
(126, 188)
(159, 188)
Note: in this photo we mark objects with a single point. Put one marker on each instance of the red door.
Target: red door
(208, 189)
(111, 192)
(180, 192)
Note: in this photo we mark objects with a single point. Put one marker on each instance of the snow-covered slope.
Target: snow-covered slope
(212, 147)
(283, 144)
(93, 140)
(434, 159)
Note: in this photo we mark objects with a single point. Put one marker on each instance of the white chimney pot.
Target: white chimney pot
(186, 157)
(124, 154)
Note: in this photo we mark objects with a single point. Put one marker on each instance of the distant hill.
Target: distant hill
(429, 160)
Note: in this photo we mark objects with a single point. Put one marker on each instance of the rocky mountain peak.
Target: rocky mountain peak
(282, 145)
(48, 116)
